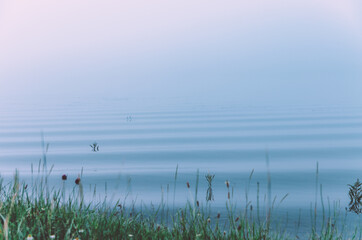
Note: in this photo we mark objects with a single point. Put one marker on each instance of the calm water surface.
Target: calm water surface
(141, 144)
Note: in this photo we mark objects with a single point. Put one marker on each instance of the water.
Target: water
(142, 142)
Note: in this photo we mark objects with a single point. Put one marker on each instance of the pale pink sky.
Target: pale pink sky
(181, 48)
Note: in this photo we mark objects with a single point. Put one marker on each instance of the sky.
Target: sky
(251, 52)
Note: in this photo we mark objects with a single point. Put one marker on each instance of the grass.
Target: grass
(38, 212)
(28, 213)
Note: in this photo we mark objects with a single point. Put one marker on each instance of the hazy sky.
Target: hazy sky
(271, 51)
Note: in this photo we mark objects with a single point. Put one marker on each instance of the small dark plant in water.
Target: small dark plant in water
(95, 147)
(355, 196)
(209, 195)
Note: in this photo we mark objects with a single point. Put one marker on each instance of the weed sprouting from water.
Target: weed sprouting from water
(355, 196)
(209, 194)
(95, 147)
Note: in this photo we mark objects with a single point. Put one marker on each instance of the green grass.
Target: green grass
(37, 212)
(44, 215)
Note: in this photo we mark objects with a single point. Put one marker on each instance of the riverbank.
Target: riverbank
(41, 212)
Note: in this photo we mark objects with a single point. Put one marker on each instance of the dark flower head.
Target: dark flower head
(188, 185)
(64, 177)
(77, 181)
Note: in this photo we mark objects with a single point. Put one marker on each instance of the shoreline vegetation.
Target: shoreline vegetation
(35, 212)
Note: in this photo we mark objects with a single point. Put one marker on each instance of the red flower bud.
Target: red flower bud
(64, 177)
(77, 181)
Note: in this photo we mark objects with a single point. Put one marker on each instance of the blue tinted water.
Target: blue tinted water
(141, 145)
